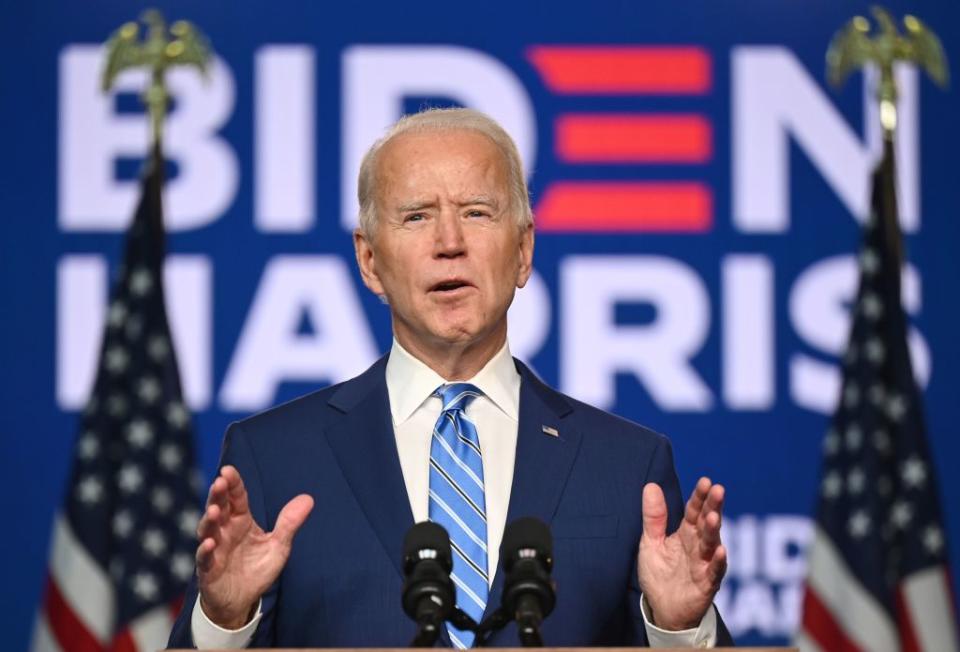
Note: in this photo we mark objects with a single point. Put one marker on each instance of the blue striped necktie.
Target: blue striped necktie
(457, 502)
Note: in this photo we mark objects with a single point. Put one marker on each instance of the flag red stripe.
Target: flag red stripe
(575, 206)
(69, 631)
(623, 70)
(123, 642)
(592, 138)
(908, 636)
(176, 606)
(819, 623)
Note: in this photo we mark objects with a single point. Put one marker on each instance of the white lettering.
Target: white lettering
(271, 351)
(284, 139)
(774, 98)
(594, 348)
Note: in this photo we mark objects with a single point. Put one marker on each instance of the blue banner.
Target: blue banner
(698, 190)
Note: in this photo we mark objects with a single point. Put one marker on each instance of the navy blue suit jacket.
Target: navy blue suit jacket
(341, 586)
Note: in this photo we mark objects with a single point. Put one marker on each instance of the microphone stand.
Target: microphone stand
(428, 629)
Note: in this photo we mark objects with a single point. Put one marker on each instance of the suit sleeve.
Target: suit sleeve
(238, 452)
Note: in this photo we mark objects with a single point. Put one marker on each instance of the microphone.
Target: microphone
(529, 594)
(429, 597)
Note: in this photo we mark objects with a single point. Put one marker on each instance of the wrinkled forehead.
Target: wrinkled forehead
(459, 161)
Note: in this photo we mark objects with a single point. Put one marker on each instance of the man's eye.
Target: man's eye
(415, 217)
(477, 214)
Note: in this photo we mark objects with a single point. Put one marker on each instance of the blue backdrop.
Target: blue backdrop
(716, 315)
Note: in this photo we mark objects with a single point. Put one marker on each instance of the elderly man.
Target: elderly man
(447, 427)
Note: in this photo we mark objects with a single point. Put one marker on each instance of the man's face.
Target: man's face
(446, 252)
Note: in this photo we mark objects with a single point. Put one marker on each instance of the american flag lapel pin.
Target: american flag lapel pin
(547, 430)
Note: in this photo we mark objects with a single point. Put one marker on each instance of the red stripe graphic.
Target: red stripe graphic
(592, 138)
(625, 207)
(908, 637)
(819, 623)
(598, 70)
(69, 631)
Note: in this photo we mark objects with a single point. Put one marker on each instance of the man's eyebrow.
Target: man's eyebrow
(416, 205)
(485, 200)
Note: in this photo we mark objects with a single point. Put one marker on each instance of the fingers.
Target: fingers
(236, 491)
(704, 511)
(718, 566)
(654, 512)
(205, 555)
(291, 517)
(696, 502)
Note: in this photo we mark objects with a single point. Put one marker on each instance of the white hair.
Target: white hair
(439, 120)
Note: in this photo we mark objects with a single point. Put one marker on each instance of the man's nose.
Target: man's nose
(449, 235)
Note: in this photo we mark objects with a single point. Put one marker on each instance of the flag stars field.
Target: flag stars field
(141, 282)
(122, 523)
(859, 524)
(149, 390)
(90, 490)
(832, 485)
(116, 360)
(117, 314)
(901, 514)
(854, 437)
(130, 478)
(170, 457)
(933, 540)
(140, 434)
(154, 543)
(914, 473)
(144, 586)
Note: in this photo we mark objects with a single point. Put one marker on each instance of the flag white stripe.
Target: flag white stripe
(81, 581)
(856, 611)
(806, 643)
(43, 638)
(152, 630)
(930, 606)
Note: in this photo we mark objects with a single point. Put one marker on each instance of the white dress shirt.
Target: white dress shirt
(410, 386)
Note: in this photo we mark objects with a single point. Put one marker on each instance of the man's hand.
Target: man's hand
(680, 574)
(236, 560)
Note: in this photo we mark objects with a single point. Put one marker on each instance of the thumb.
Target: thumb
(291, 517)
(654, 512)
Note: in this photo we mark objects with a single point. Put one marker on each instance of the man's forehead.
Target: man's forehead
(472, 166)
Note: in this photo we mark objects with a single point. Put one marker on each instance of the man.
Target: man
(447, 427)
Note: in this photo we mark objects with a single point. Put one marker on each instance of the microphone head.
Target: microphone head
(426, 540)
(527, 538)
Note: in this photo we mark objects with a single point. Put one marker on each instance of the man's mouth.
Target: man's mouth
(450, 285)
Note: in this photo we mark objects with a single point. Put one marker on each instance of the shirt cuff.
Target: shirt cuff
(209, 635)
(704, 636)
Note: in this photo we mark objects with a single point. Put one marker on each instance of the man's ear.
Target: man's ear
(366, 261)
(526, 256)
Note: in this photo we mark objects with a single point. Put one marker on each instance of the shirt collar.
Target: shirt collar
(410, 382)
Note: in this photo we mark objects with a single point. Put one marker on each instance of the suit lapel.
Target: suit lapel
(543, 461)
(366, 450)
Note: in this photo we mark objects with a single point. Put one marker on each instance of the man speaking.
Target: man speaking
(300, 543)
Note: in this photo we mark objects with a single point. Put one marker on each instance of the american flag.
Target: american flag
(878, 574)
(124, 542)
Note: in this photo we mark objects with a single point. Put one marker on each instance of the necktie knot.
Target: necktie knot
(457, 396)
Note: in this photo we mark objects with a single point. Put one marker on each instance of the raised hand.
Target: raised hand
(236, 560)
(680, 574)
